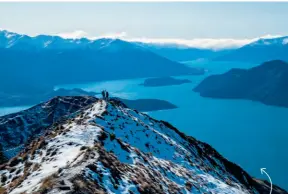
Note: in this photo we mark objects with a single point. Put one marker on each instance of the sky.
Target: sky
(176, 21)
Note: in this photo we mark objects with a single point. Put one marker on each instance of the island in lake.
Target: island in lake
(164, 81)
(266, 83)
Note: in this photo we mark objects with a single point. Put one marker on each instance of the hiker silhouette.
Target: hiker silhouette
(105, 95)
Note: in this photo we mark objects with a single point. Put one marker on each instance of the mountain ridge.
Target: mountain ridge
(107, 148)
(260, 50)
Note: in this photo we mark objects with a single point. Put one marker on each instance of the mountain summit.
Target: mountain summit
(104, 147)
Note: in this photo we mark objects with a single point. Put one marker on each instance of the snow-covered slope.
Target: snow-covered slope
(107, 148)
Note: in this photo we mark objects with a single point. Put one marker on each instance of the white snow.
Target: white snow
(68, 149)
(285, 41)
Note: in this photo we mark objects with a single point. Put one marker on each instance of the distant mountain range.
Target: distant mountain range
(264, 49)
(259, 51)
(36, 64)
(17, 41)
(266, 83)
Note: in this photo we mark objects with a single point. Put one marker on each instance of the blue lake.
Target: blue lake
(248, 133)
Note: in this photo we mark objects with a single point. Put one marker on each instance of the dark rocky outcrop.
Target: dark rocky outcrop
(3, 159)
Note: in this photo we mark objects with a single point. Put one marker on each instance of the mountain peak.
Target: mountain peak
(270, 41)
(25, 42)
(7, 34)
(115, 45)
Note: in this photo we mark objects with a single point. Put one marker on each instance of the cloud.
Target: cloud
(203, 43)
(73, 35)
(81, 34)
(115, 35)
(269, 36)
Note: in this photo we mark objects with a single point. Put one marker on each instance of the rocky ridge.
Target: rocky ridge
(105, 147)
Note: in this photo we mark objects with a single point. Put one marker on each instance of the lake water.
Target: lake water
(248, 133)
(8, 110)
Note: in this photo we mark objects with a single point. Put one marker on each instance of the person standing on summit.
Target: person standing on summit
(105, 95)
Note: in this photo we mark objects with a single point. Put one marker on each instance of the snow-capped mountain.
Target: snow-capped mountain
(24, 42)
(270, 41)
(173, 52)
(107, 148)
(260, 51)
(11, 40)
